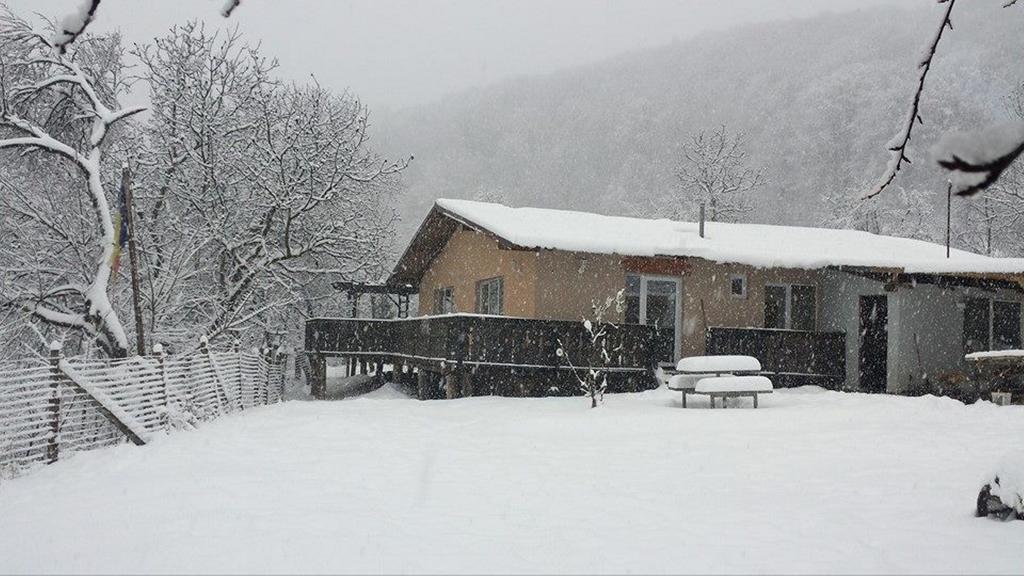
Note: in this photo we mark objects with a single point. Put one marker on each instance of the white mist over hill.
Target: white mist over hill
(818, 99)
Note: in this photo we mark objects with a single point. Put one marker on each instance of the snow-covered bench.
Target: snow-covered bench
(692, 369)
(733, 387)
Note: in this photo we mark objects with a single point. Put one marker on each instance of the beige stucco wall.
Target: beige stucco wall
(707, 300)
(470, 257)
(568, 283)
(560, 285)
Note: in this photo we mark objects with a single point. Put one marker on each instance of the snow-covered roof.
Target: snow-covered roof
(760, 245)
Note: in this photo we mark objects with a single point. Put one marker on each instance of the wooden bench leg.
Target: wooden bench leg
(711, 397)
(755, 401)
(684, 399)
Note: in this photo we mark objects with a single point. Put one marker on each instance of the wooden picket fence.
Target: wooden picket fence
(50, 410)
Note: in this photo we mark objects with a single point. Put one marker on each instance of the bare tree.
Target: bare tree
(63, 106)
(993, 222)
(591, 379)
(907, 213)
(715, 171)
(273, 184)
(976, 160)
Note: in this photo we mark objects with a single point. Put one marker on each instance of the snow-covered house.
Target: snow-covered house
(897, 312)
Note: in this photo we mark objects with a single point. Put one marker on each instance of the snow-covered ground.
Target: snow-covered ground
(811, 482)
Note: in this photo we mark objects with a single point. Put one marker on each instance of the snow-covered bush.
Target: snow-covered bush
(1003, 497)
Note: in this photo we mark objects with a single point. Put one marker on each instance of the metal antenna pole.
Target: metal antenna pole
(949, 216)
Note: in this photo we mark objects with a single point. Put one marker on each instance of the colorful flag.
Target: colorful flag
(121, 231)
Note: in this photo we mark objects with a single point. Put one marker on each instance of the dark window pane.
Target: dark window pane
(803, 310)
(976, 324)
(661, 303)
(738, 286)
(774, 306)
(632, 299)
(1005, 325)
(661, 312)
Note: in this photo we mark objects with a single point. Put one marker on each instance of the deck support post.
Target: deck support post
(467, 384)
(451, 384)
(421, 384)
(318, 375)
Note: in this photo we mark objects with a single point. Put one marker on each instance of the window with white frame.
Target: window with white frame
(490, 296)
(738, 285)
(790, 306)
(444, 300)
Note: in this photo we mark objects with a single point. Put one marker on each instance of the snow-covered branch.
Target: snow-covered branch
(230, 5)
(976, 161)
(897, 147)
(74, 24)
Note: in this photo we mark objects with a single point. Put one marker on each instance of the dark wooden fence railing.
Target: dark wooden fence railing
(795, 357)
(479, 340)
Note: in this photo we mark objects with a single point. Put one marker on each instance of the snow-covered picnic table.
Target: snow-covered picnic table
(1001, 372)
(720, 377)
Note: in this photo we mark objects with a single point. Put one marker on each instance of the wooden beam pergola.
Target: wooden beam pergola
(397, 293)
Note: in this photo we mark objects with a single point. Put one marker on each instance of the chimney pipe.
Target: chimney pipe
(701, 219)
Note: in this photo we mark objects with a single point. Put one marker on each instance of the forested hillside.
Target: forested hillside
(818, 99)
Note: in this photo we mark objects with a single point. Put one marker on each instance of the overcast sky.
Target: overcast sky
(396, 53)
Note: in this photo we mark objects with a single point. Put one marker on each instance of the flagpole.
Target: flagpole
(126, 189)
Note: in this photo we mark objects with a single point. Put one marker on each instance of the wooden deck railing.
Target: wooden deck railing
(477, 340)
(796, 357)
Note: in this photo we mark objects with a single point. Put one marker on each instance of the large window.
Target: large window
(792, 307)
(490, 296)
(991, 325)
(444, 300)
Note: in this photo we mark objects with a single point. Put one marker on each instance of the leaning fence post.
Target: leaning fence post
(53, 405)
(204, 352)
(241, 377)
(282, 373)
(165, 394)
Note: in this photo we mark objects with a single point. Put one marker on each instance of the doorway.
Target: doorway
(874, 343)
(655, 301)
